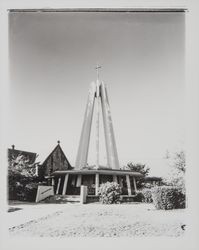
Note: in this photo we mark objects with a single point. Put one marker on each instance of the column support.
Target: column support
(79, 180)
(120, 181)
(128, 184)
(53, 181)
(58, 185)
(65, 184)
(135, 186)
(115, 178)
(96, 183)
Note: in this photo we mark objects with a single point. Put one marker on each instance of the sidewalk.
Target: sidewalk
(27, 212)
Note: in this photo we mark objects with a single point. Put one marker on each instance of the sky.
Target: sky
(52, 60)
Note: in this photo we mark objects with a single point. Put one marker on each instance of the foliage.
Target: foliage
(147, 195)
(141, 168)
(177, 164)
(168, 197)
(138, 167)
(148, 185)
(109, 193)
(144, 195)
(139, 197)
(22, 179)
(30, 191)
(179, 161)
(20, 166)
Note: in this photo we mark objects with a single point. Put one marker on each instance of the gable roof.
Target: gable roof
(13, 153)
(58, 146)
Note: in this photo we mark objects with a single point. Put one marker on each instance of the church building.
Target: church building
(67, 180)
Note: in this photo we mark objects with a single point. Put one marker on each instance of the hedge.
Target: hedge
(168, 197)
(147, 195)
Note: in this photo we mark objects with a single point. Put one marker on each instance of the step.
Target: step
(62, 199)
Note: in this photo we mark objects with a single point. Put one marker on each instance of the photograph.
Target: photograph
(96, 142)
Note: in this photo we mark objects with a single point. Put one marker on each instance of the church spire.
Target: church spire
(97, 95)
(97, 70)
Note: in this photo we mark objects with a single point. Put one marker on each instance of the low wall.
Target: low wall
(128, 198)
(43, 192)
(93, 198)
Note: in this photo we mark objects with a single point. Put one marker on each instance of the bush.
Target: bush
(168, 197)
(31, 191)
(139, 197)
(147, 195)
(23, 188)
(109, 193)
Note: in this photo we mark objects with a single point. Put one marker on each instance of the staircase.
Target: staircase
(61, 199)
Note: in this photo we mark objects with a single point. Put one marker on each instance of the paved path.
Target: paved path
(75, 220)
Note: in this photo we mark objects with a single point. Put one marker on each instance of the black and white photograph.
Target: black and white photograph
(96, 124)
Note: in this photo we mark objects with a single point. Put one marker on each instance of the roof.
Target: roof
(13, 153)
(98, 171)
(58, 146)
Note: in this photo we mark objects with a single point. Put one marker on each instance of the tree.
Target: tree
(141, 168)
(177, 163)
(20, 165)
(138, 167)
(20, 174)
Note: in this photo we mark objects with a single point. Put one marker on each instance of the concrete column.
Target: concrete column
(128, 184)
(115, 178)
(96, 183)
(134, 183)
(65, 184)
(58, 185)
(120, 181)
(83, 194)
(53, 181)
(79, 180)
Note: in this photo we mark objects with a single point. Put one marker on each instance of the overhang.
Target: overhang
(98, 171)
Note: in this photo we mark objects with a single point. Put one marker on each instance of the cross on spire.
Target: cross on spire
(97, 69)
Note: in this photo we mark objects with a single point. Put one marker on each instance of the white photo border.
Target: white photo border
(190, 240)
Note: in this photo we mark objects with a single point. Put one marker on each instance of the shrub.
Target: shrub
(23, 188)
(139, 197)
(22, 177)
(168, 197)
(147, 195)
(109, 193)
(31, 191)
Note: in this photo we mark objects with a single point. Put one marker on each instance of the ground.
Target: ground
(95, 220)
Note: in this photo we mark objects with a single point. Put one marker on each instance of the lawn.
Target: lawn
(96, 220)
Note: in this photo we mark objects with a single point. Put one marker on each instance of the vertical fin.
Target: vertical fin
(111, 149)
(82, 154)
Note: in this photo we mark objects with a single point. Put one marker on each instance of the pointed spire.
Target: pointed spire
(97, 70)
(97, 95)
